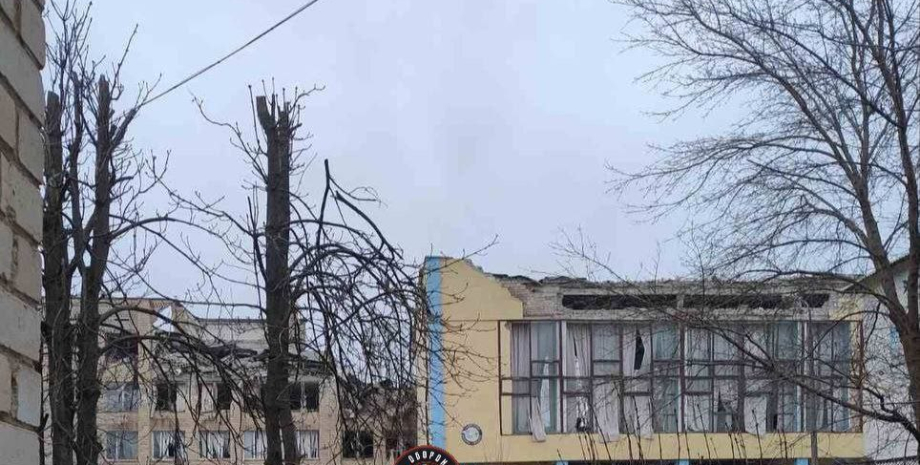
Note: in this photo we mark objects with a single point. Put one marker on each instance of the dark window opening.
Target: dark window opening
(224, 396)
(357, 445)
(166, 396)
(732, 301)
(397, 443)
(616, 302)
(754, 301)
(304, 396)
(122, 347)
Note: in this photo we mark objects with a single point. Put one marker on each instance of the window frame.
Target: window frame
(357, 441)
(304, 396)
(301, 438)
(258, 437)
(724, 369)
(168, 402)
(127, 400)
(178, 443)
(204, 444)
(122, 436)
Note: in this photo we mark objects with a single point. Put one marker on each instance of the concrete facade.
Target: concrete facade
(196, 411)
(22, 55)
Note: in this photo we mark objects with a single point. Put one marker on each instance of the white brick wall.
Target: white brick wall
(22, 37)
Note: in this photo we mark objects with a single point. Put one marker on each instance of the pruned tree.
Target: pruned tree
(78, 225)
(817, 177)
(279, 130)
(98, 236)
(330, 286)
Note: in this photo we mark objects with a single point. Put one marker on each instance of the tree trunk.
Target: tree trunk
(107, 138)
(57, 290)
(279, 426)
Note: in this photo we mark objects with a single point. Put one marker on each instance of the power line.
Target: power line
(234, 52)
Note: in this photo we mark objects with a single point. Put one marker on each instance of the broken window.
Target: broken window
(119, 397)
(699, 381)
(637, 380)
(832, 368)
(577, 386)
(642, 378)
(224, 396)
(535, 367)
(357, 445)
(785, 409)
(166, 393)
(666, 377)
(726, 362)
(520, 378)
(606, 370)
(304, 396)
(122, 347)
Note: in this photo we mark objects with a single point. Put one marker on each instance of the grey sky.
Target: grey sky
(470, 118)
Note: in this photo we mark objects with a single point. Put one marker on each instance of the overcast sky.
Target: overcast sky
(472, 119)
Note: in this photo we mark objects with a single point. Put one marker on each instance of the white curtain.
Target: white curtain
(756, 343)
(607, 410)
(215, 444)
(699, 412)
(638, 415)
(168, 444)
(206, 396)
(539, 407)
(520, 368)
(160, 444)
(755, 414)
(544, 355)
(183, 394)
(577, 365)
(129, 445)
(254, 443)
(308, 444)
(110, 398)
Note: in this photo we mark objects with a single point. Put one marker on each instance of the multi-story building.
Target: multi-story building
(163, 402)
(564, 370)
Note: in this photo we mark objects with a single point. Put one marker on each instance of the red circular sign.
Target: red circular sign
(426, 455)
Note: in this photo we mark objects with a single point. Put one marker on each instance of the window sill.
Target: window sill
(624, 435)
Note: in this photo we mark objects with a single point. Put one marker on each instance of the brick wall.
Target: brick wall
(22, 55)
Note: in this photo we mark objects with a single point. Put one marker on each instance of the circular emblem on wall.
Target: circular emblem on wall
(471, 434)
(426, 455)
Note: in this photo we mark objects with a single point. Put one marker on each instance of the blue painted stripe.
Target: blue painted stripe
(682, 462)
(562, 463)
(436, 414)
(800, 461)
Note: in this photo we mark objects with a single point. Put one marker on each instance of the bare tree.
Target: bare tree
(98, 234)
(329, 284)
(818, 178)
(279, 132)
(79, 100)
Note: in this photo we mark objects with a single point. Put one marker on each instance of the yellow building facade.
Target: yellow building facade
(564, 371)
